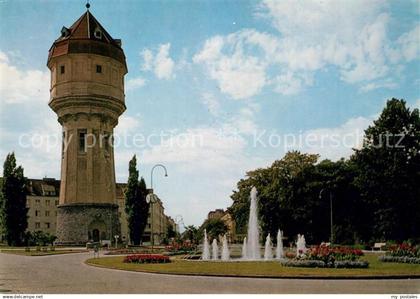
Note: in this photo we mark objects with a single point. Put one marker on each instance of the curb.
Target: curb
(308, 277)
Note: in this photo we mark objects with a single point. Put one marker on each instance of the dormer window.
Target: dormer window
(97, 33)
(65, 32)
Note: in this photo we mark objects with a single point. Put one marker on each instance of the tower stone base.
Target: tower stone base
(78, 224)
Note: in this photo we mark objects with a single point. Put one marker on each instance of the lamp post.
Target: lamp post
(116, 240)
(151, 174)
(331, 213)
(152, 198)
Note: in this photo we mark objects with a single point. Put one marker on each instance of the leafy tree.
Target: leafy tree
(171, 233)
(191, 233)
(136, 207)
(281, 195)
(39, 238)
(13, 202)
(288, 198)
(389, 174)
(214, 227)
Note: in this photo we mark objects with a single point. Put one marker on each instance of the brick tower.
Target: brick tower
(87, 93)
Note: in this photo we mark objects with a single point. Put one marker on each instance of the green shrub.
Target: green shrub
(399, 259)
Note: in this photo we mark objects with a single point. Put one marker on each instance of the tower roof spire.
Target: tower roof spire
(87, 5)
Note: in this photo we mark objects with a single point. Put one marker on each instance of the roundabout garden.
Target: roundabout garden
(267, 269)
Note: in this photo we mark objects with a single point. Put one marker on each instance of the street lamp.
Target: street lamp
(151, 173)
(151, 198)
(331, 213)
(116, 240)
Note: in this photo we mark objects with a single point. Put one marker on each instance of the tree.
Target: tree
(388, 177)
(288, 198)
(170, 232)
(214, 227)
(13, 202)
(136, 207)
(191, 233)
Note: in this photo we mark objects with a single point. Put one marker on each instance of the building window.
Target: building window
(56, 202)
(47, 202)
(62, 69)
(47, 213)
(37, 201)
(99, 68)
(97, 33)
(37, 213)
(82, 140)
(47, 225)
(37, 225)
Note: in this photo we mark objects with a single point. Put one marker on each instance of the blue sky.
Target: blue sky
(225, 83)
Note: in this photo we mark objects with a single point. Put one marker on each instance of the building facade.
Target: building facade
(87, 93)
(42, 201)
(157, 225)
(228, 220)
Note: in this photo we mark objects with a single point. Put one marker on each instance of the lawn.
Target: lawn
(263, 269)
(33, 252)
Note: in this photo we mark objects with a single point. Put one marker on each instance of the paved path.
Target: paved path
(68, 274)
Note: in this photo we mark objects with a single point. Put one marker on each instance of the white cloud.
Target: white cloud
(135, 83)
(389, 84)
(127, 125)
(36, 141)
(410, 44)
(244, 121)
(161, 63)
(22, 86)
(211, 103)
(238, 74)
(350, 36)
(338, 142)
(147, 56)
(290, 83)
(207, 147)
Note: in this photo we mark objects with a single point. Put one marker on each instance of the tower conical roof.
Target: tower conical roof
(87, 35)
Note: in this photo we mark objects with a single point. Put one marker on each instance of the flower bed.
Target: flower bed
(322, 264)
(147, 259)
(175, 247)
(303, 263)
(332, 254)
(402, 253)
(328, 257)
(403, 249)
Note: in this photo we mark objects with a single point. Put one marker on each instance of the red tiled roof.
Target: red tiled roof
(87, 35)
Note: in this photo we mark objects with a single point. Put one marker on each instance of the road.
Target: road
(68, 274)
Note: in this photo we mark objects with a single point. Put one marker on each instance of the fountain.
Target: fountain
(300, 246)
(253, 245)
(206, 248)
(268, 252)
(244, 256)
(225, 249)
(251, 249)
(279, 249)
(215, 250)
